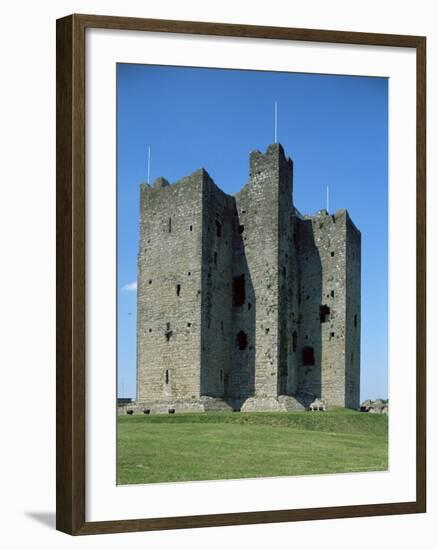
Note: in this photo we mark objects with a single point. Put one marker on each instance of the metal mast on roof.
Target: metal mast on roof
(276, 122)
(148, 165)
(327, 198)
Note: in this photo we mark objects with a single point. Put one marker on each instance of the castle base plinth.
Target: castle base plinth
(282, 403)
(203, 404)
(272, 404)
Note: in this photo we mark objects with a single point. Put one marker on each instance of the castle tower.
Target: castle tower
(329, 335)
(169, 290)
(242, 302)
(262, 367)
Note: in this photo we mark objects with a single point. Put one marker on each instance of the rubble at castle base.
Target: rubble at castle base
(378, 406)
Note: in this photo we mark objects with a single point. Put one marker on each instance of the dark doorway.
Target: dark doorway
(308, 356)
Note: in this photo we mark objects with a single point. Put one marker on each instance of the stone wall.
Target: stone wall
(330, 239)
(309, 338)
(216, 310)
(353, 314)
(169, 290)
(330, 298)
(262, 238)
(288, 282)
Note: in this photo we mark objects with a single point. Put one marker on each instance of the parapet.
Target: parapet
(160, 183)
(323, 213)
(273, 158)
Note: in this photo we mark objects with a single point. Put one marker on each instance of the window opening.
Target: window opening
(294, 340)
(324, 313)
(308, 356)
(239, 289)
(242, 340)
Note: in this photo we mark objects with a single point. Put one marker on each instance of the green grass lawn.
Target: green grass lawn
(196, 446)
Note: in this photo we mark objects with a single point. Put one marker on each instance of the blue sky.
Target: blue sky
(335, 128)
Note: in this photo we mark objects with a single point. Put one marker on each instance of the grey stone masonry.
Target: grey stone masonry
(242, 302)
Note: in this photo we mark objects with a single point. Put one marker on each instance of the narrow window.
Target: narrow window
(331, 334)
(352, 357)
(267, 330)
(332, 254)
(166, 377)
(239, 289)
(178, 290)
(169, 225)
(215, 258)
(242, 340)
(218, 227)
(294, 341)
(221, 326)
(355, 320)
(189, 273)
(188, 325)
(191, 228)
(240, 229)
(332, 294)
(150, 330)
(150, 281)
(168, 332)
(249, 305)
(221, 375)
(324, 313)
(308, 356)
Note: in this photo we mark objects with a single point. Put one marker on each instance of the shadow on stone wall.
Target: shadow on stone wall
(309, 333)
(242, 376)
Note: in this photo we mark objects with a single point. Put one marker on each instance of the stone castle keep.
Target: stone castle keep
(243, 303)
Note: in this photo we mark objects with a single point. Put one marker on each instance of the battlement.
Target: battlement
(266, 166)
(273, 161)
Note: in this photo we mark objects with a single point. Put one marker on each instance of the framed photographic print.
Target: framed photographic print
(240, 274)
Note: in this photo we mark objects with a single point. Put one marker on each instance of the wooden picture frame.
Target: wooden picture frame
(71, 254)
